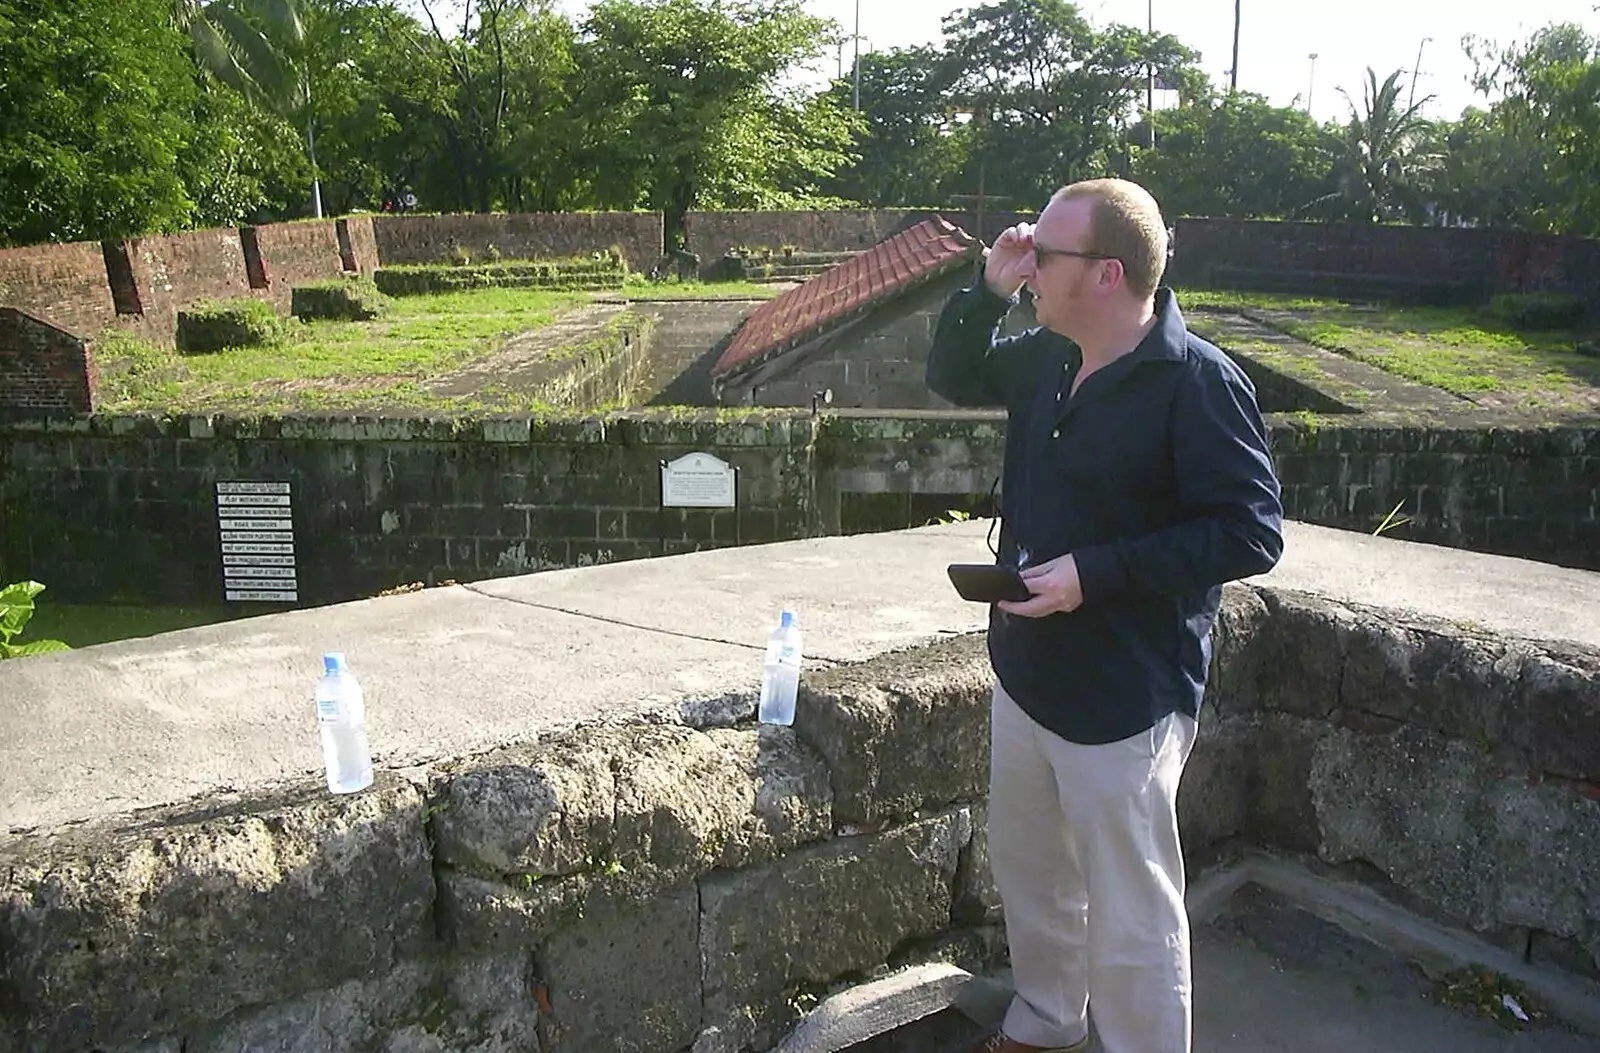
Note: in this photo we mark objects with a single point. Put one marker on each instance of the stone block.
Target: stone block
(1281, 811)
(903, 732)
(691, 801)
(535, 811)
(1214, 796)
(110, 937)
(818, 914)
(1479, 844)
(1557, 714)
(486, 917)
(470, 1005)
(1433, 676)
(976, 898)
(626, 977)
(1302, 632)
(667, 802)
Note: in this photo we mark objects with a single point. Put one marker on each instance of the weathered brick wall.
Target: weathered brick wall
(63, 284)
(127, 505)
(533, 235)
(382, 502)
(295, 253)
(172, 273)
(1532, 493)
(879, 362)
(358, 239)
(1216, 252)
(43, 368)
(711, 234)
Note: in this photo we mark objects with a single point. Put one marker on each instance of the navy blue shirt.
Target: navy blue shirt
(1155, 476)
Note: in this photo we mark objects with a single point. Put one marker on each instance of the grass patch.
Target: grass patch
(1464, 351)
(83, 625)
(328, 365)
(643, 288)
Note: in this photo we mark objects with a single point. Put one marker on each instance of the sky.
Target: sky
(1276, 40)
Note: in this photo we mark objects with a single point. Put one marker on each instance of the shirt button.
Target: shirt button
(1056, 434)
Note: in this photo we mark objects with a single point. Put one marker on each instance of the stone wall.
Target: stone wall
(665, 888)
(1454, 263)
(43, 369)
(377, 503)
(521, 236)
(358, 244)
(879, 360)
(711, 234)
(384, 502)
(295, 253)
(175, 272)
(65, 285)
(1531, 492)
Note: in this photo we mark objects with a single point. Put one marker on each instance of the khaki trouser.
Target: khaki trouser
(1083, 841)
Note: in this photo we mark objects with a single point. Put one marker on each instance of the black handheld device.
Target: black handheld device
(988, 583)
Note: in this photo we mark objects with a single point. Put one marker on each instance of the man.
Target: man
(1137, 480)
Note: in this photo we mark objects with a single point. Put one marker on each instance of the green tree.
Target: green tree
(1236, 155)
(1533, 160)
(911, 147)
(95, 98)
(1050, 96)
(258, 48)
(665, 86)
(502, 78)
(240, 163)
(1381, 164)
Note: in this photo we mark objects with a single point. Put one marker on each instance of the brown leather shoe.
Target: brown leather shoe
(1001, 1044)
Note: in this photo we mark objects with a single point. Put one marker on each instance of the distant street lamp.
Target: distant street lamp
(1312, 88)
(1150, 81)
(855, 93)
(1413, 100)
(1233, 74)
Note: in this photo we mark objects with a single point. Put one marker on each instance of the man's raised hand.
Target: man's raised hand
(1010, 261)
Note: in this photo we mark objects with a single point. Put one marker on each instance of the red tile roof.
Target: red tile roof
(887, 270)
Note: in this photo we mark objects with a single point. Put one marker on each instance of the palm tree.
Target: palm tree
(257, 47)
(1379, 154)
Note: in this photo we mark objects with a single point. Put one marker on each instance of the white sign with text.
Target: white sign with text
(698, 480)
(256, 524)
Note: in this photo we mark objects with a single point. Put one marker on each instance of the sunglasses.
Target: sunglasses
(1041, 253)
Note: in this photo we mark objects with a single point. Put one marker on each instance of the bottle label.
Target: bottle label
(327, 710)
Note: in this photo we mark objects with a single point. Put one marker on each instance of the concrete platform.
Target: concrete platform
(221, 709)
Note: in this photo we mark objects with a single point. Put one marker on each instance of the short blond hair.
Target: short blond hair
(1126, 223)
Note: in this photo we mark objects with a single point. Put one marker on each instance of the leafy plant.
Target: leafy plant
(339, 299)
(1538, 312)
(1393, 520)
(16, 609)
(215, 324)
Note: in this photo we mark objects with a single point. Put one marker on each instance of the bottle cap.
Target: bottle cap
(787, 620)
(333, 662)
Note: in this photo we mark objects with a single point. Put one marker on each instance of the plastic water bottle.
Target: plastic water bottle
(342, 719)
(780, 679)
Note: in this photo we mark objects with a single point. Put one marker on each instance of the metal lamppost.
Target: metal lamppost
(1150, 77)
(1233, 74)
(855, 93)
(1311, 89)
(1413, 100)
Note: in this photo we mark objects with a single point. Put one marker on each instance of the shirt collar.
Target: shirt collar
(1169, 337)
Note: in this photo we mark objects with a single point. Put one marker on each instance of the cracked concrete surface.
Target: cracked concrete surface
(452, 672)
